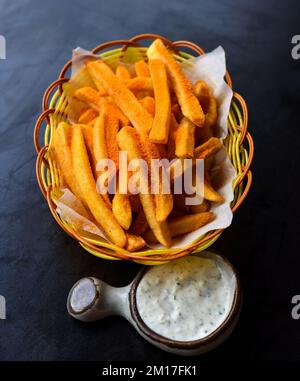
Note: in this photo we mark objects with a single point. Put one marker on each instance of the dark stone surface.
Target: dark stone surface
(39, 263)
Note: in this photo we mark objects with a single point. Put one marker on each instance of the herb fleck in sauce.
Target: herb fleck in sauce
(186, 299)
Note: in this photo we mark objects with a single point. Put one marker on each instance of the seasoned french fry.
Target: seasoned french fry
(160, 128)
(208, 103)
(163, 201)
(120, 94)
(113, 109)
(85, 179)
(92, 122)
(204, 151)
(140, 224)
(139, 84)
(142, 69)
(185, 139)
(122, 72)
(122, 210)
(62, 148)
(87, 132)
(100, 145)
(210, 193)
(134, 242)
(190, 105)
(172, 137)
(149, 104)
(185, 224)
(200, 208)
(208, 148)
(88, 95)
(87, 116)
(129, 139)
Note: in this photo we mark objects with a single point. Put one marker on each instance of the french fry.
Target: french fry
(129, 140)
(204, 151)
(87, 132)
(139, 84)
(122, 72)
(163, 201)
(141, 69)
(122, 210)
(85, 179)
(87, 116)
(88, 95)
(100, 145)
(62, 148)
(134, 242)
(190, 105)
(121, 96)
(185, 224)
(200, 208)
(171, 147)
(210, 193)
(149, 104)
(113, 109)
(161, 124)
(207, 149)
(92, 122)
(208, 103)
(185, 139)
(92, 98)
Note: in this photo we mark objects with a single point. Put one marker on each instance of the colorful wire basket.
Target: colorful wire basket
(238, 144)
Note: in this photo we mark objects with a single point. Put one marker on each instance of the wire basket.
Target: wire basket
(238, 144)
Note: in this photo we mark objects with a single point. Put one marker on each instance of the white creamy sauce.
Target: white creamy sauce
(186, 299)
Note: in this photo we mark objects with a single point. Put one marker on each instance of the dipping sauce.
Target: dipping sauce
(186, 299)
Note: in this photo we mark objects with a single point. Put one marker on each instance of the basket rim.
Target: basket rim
(41, 161)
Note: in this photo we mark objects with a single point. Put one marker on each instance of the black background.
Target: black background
(39, 263)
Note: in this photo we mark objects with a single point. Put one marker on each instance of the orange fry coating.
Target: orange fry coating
(190, 105)
(129, 140)
(208, 103)
(139, 84)
(85, 179)
(160, 128)
(62, 148)
(208, 148)
(87, 116)
(149, 104)
(142, 69)
(185, 224)
(89, 96)
(172, 137)
(163, 201)
(185, 139)
(122, 210)
(121, 95)
(134, 242)
(122, 72)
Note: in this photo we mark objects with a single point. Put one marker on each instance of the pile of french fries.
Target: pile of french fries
(150, 110)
